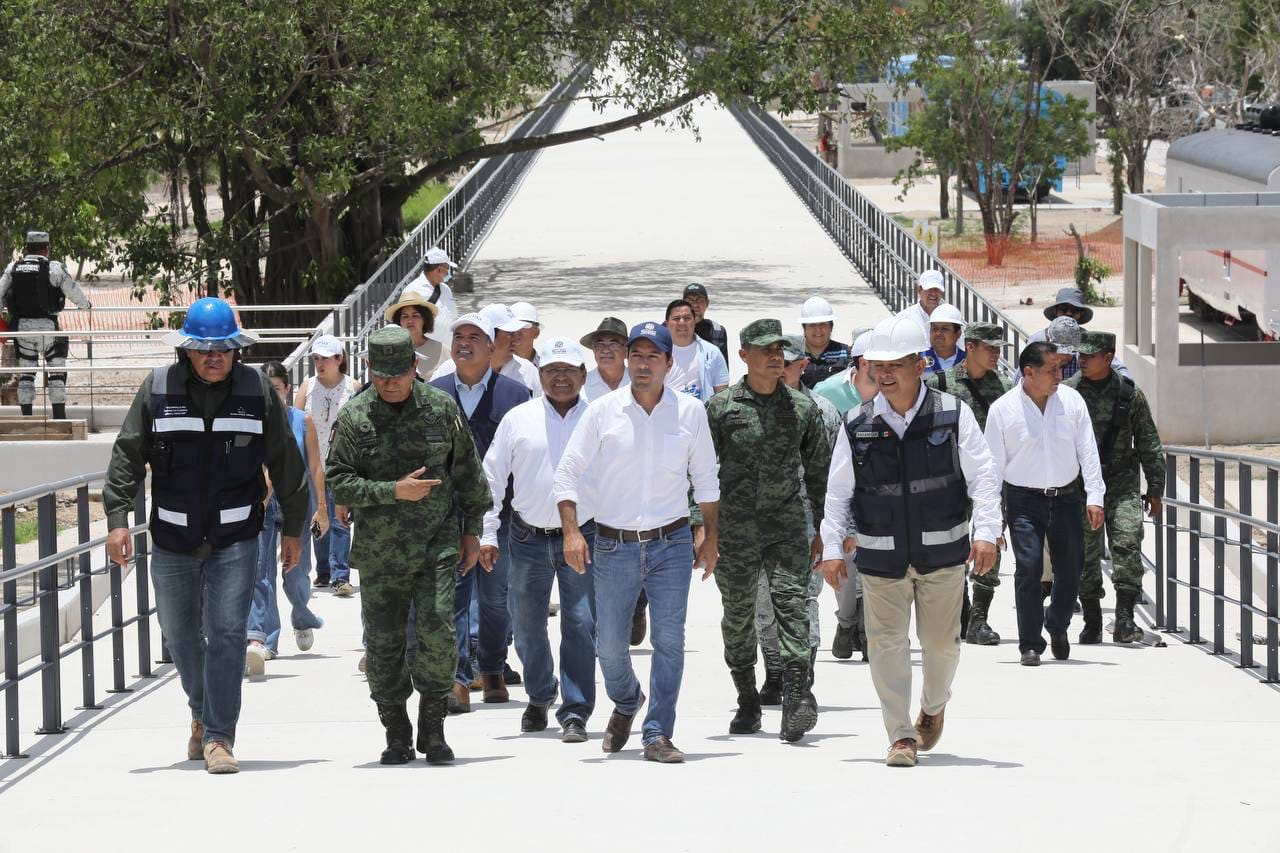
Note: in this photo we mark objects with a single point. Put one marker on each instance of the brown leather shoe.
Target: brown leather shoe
(663, 751)
(195, 744)
(459, 699)
(218, 758)
(902, 753)
(618, 731)
(929, 729)
(495, 689)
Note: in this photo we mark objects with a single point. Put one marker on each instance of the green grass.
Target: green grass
(420, 205)
(25, 530)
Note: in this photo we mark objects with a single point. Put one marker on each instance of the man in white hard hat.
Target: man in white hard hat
(522, 343)
(946, 327)
(930, 293)
(825, 355)
(504, 361)
(903, 472)
(849, 388)
(437, 269)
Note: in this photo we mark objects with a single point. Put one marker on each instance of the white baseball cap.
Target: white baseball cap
(932, 280)
(435, 255)
(947, 313)
(327, 346)
(816, 310)
(895, 338)
(562, 351)
(524, 311)
(501, 318)
(478, 320)
(860, 344)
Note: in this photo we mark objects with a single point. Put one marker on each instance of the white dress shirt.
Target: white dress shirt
(519, 369)
(469, 396)
(597, 387)
(1045, 450)
(643, 462)
(981, 480)
(528, 445)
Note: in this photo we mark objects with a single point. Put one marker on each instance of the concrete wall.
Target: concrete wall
(873, 161)
(1087, 92)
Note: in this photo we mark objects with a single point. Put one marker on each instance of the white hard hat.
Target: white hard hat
(816, 310)
(948, 313)
(931, 280)
(860, 344)
(895, 338)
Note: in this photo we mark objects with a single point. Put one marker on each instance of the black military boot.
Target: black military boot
(846, 638)
(979, 633)
(431, 713)
(798, 714)
(59, 411)
(966, 611)
(25, 408)
(395, 719)
(747, 719)
(1126, 630)
(771, 690)
(1092, 633)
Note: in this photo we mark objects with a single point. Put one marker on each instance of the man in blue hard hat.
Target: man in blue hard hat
(207, 425)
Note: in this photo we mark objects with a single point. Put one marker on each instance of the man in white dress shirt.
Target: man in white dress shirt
(527, 447)
(437, 269)
(1042, 441)
(504, 361)
(649, 442)
(903, 471)
(930, 293)
(608, 343)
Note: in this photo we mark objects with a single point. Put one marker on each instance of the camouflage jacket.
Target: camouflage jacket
(374, 444)
(1137, 443)
(956, 381)
(761, 443)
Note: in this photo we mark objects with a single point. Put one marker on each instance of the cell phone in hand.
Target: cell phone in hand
(315, 530)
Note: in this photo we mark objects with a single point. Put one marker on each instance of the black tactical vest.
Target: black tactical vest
(31, 295)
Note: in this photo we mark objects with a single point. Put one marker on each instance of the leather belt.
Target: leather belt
(549, 532)
(1050, 493)
(604, 530)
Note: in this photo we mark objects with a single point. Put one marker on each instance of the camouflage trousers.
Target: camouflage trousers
(784, 566)
(1124, 536)
(991, 579)
(386, 592)
(767, 623)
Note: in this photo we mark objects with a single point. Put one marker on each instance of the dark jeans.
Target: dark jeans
(490, 588)
(1032, 518)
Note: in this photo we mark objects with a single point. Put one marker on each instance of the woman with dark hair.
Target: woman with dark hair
(264, 614)
(417, 315)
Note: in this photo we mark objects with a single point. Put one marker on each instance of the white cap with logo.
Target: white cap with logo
(562, 351)
(435, 256)
(500, 317)
(524, 311)
(326, 346)
(478, 320)
(932, 280)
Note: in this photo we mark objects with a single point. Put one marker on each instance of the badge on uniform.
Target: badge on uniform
(864, 434)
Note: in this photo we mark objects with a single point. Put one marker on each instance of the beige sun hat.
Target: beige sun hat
(413, 298)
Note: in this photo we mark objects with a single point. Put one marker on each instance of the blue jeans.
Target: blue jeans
(490, 589)
(537, 560)
(264, 615)
(662, 569)
(1032, 519)
(333, 548)
(208, 653)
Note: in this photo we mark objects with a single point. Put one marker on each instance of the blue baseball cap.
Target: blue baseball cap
(654, 333)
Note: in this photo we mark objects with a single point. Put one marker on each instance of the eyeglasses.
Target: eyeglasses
(608, 346)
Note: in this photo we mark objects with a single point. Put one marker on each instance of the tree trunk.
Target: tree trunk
(363, 234)
(959, 204)
(944, 196)
(241, 228)
(206, 251)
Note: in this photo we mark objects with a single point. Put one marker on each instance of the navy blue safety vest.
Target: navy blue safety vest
(206, 474)
(910, 503)
(31, 295)
(501, 395)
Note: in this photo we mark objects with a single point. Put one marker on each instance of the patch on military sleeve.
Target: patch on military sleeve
(430, 417)
(368, 437)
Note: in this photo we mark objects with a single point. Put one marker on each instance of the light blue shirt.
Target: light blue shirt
(469, 395)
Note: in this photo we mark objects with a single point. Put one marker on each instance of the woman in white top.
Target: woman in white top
(418, 316)
(322, 396)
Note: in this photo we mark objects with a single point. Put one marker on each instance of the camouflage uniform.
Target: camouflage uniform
(1136, 444)
(407, 551)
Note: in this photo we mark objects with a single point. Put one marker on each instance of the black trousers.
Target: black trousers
(1033, 517)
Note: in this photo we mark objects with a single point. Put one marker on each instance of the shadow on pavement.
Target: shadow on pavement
(942, 759)
(249, 765)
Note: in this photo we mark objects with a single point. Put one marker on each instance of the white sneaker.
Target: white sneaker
(255, 659)
(305, 638)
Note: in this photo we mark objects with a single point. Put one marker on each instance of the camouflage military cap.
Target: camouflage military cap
(986, 333)
(793, 348)
(390, 352)
(37, 238)
(1064, 333)
(1092, 343)
(762, 333)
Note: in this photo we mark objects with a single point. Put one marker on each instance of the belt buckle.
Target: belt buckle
(647, 535)
(1052, 493)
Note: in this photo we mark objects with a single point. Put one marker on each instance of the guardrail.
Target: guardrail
(52, 572)
(456, 225)
(887, 255)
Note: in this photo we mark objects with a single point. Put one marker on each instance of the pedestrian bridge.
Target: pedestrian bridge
(1169, 747)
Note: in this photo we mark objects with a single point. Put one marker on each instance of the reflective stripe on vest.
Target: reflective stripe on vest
(944, 537)
(248, 425)
(178, 424)
(237, 513)
(178, 518)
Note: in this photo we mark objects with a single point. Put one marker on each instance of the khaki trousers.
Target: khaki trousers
(887, 606)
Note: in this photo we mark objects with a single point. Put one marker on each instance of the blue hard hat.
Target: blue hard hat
(210, 325)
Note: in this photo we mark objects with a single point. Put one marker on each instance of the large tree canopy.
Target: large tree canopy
(316, 121)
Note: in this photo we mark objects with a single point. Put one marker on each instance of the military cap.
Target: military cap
(1064, 333)
(391, 352)
(37, 238)
(762, 333)
(1092, 343)
(793, 349)
(986, 333)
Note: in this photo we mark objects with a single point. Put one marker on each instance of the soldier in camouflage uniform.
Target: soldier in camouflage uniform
(763, 433)
(977, 381)
(402, 454)
(1127, 440)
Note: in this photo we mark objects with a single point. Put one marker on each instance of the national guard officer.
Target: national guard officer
(206, 425)
(402, 454)
(977, 381)
(34, 290)
(764, 432)
(1127, 439)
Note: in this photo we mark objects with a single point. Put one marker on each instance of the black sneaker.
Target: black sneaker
(574, 732)
(509, 675)
(321, 581)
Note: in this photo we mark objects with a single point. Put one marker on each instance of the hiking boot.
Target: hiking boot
(771, 691)
(195, 743)
(534, 718)
(1092, 633)
(459, 701)
(663, 751)
(842, 645)
(218, 758)
(929, 729)
(747, 719)
(1126, 630)
(395, 719)
(618, 730)
(495, 689)
(902, 753)
(798, 714)
(978, 632)
(431, 742)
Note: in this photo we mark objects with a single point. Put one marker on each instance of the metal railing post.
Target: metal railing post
(50, 635)
(1171, 544)
(8, 561)
(142, 584)
(1194, 555)
(1273, 585)
(1246, 567)
(88, 698)
(1219, 558)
